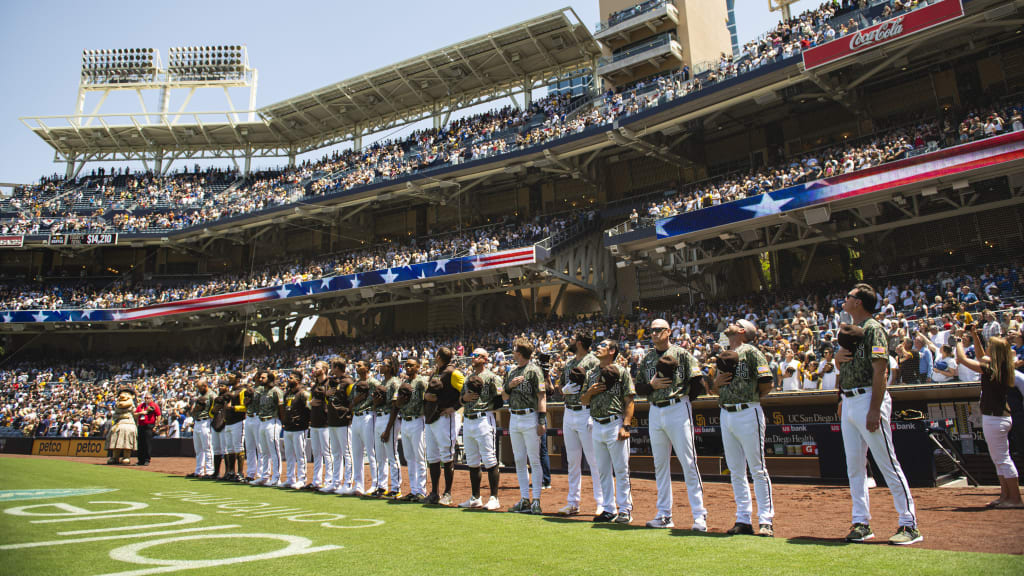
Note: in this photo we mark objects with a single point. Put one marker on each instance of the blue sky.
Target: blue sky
(296, 46)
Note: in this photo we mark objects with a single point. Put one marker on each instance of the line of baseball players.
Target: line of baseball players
(351, 419)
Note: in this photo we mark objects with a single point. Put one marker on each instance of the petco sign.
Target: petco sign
(892, 29)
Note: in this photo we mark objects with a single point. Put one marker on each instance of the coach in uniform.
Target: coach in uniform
(408, 406)
(339, 422)
(864, 418)
(319, 438)
(362, 429)
(481, 394)
(671, 422)
(269, 473)
(440, 420)
(201, 441)
(577, 426)
(609, 394)
(295, 419)
(526, 396)
(386, 445)
(743, 377)
(252, 428)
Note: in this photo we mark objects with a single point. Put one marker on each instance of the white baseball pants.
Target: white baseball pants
(612, 454)
(341, 465)
(202, 443)
(577, 432)
(235, 434)
(362, 442)
(857, 441)
(295, 454)
(252, 445)
(319, 440)
(219, 441)
(743, 440)
(522, 431)
(478, 441)
(270, 451)
(387, 454)
(671, 428)
(413, 447)
(441, 440)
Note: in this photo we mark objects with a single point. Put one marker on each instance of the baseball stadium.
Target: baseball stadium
(621, 288)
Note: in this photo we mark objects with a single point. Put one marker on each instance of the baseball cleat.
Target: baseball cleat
(623, 518)
(661, 522)
(282, 484)
(191, 475)
(326, 489)
(492, 504)
(605, 516)
(412, 498)
(546, 487)
(569, 510)
(766, 530)
(740, 528)
(378, 492)
(906, 535)
(446, 500)
(700, 524)
(535, 508)
(860, 533)
(472, 503)
(297, 486)
(522, 506)
(431, 498)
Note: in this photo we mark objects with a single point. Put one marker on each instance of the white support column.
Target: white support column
(248, 160)
(252, 98)
(357, 140)
(527, 93)
(291, 157)
(158, 166)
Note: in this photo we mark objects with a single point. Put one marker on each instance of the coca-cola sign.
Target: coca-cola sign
(899, 26)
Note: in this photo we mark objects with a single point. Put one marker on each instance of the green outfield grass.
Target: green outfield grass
(378, 537)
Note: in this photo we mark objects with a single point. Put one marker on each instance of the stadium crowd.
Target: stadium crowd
(53, 295)
(798, 334)
(146, 203)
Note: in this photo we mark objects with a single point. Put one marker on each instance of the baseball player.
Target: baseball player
(362, 429)
(252, 428)
(220, 436)
(670, 376)
(481, 394)
(743, 377)
(577, 426)
(439, 404)
(609, 393)
(296, 422)
(526, 396)
(408, 405)
(386, 445)
(318, 434)
(269, 473)
(339, 423)
(234, 418)
(201, 439)
(864, 417)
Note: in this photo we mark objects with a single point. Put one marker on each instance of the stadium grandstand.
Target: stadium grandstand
(691, 178)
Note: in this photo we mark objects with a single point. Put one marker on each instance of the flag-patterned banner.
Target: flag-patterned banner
(423, 272)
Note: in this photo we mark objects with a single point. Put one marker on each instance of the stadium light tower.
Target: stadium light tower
(188, 67)
(781, 6)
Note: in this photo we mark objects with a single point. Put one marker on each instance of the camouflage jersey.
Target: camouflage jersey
(269, 403)
(570, 391)
(680, 386)
(612, 401)
(526, 395)
(202, 405)
(391, 387)
(366, 404)
(491, 388)
(414, 407)
(858, 372)
(752, 366)
(252, 408)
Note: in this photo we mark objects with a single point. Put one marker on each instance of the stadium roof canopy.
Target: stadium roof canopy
(488, 67)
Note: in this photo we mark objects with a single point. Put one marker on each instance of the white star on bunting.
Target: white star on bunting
(767, 206)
